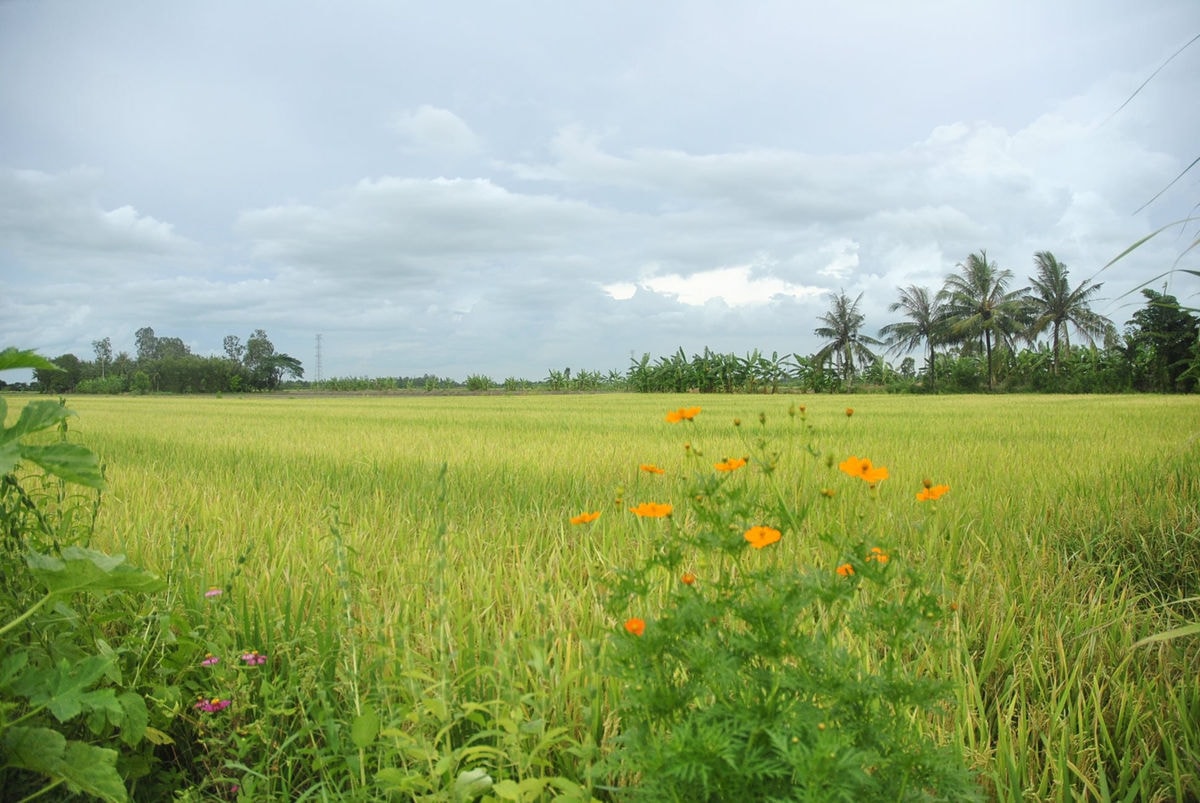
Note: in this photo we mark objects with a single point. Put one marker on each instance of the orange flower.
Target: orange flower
(932, 492)
(585, 517)
(635, 626)
(652, 510)
(759, 536)
(730, 464)
(849, 412)
(878, 554)
(688, 578)
(862, 468)
(845, 570)
(650, 468)
(682, 414)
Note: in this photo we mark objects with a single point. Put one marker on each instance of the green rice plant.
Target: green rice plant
(1063, 545)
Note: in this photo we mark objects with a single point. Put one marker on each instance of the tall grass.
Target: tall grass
(413, 558)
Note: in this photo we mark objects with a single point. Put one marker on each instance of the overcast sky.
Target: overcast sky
(508, 188)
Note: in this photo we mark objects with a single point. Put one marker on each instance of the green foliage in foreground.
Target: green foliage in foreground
(62, 698)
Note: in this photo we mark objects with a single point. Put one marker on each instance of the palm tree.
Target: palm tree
(923, 327)
(1057, 307)
(978, 303)
(843, 322)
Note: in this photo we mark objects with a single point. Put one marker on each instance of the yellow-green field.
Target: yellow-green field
(1070, 532)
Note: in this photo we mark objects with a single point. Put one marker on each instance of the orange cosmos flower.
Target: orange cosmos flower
(845, 570)
(849, 412)
(932, 492)
(730, 464)
(688, 578)
(682, 414)
(878, 554)
(585, 518)
(650, 468)
(759, 536)
(652, 510)
(862, 468)
(635, 626)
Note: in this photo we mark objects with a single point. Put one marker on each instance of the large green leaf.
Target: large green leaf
(68, 461)
(82, 569)
(10, 457)
(11, 358)
(61, 688)
(35, 417)
(84, 767)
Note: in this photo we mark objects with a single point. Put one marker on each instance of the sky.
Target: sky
(506, 189)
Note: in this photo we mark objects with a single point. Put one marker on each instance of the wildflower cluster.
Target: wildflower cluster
(754, 683)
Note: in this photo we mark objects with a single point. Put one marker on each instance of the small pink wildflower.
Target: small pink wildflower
(252, 658)
(210, 660)
(211, 706)
(214, 592)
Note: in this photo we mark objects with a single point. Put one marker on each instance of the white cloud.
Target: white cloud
(734, 286)
(55, 217)
(441, 130)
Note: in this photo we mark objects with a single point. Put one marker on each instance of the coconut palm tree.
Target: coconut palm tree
(1055, 306)
(845, 342)
(978, 304)
(923, 327)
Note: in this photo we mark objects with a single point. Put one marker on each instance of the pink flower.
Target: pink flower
(210, 660)
(214, 592)
(252, 658)
(212, 706)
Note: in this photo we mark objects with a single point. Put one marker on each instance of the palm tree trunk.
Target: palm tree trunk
(987, 342)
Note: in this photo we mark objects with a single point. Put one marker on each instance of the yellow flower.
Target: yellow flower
(682, 414)
(730, 464)
(845, 570)
(932, 492)
(650, 468)
(759, 536)
(635, 626)
(862, 468)
(585, 518)
(652, 510)
(827, 492)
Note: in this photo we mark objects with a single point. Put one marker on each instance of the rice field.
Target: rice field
(413, 556)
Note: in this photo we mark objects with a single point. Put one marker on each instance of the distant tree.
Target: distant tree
(234, 350)
(104, 354)
(147, 344)
(257, 358)
(842, 333)
(1161, 340)
(1057, 307)
(923, 328)
(266, 366)
(64, 379)
(171, 348)
(979, 306)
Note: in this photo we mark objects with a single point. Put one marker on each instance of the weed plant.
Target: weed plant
(756, 677)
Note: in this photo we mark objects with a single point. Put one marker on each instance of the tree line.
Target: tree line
(167, 365)
(978, 320)
(978, 332)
